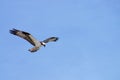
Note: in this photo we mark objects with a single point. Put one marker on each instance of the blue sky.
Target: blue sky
(88, 48)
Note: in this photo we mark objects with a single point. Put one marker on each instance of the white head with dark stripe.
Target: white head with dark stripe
(43, 44)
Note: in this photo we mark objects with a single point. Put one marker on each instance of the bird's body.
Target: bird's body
(27, 36)
(36, 47)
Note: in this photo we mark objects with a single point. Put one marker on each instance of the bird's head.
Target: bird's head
(44, 44)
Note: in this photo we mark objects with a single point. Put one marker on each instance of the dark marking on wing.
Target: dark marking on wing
(22, 34)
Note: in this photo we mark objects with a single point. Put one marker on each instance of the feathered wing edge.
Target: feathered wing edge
(51, 39)
(25, 35)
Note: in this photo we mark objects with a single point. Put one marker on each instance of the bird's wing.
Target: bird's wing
(25, 35)
(51, 39)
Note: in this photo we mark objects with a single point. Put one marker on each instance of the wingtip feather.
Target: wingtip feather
(13, 31)
(56, 38)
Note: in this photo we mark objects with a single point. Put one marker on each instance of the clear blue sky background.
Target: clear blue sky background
(88, 48)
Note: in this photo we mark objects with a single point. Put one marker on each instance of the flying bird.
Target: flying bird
(27, 36)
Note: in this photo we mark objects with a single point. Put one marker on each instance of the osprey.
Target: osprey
(27, 36)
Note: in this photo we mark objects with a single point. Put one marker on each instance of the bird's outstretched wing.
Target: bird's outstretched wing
(51, 39)
(25, 35)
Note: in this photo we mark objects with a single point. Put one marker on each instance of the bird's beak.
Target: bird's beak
(44, 45)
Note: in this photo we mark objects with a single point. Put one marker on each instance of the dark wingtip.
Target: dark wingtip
(56, 38)
(13, 31)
